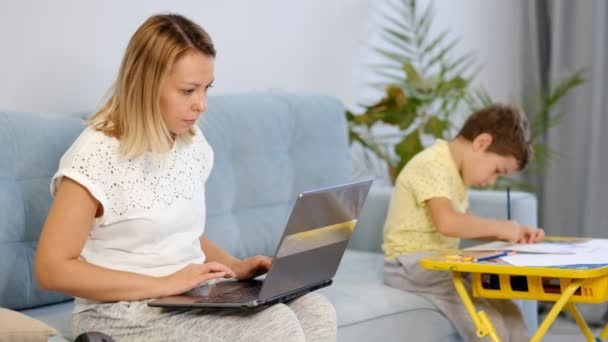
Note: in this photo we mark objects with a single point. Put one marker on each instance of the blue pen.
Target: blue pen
(494, 256)
(508, 203)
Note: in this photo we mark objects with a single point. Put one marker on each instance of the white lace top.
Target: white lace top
(153, 205)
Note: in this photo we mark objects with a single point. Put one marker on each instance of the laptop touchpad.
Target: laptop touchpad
(217, 288)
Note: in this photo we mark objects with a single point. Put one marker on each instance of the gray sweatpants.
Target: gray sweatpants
(308, 318)
(405, 273)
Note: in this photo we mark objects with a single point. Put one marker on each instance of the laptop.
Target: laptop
(306, 259)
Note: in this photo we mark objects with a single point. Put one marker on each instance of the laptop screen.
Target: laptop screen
(316, 236)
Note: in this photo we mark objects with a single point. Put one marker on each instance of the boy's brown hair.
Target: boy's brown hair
(508, 127)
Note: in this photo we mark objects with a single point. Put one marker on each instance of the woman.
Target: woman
(128, 216)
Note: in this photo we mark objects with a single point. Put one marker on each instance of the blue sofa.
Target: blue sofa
(267, 148)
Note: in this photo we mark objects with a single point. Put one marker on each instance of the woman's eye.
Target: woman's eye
(187, 91)
(209, 86)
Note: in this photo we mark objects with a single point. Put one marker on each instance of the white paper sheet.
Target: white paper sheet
(556, 259)
(591, 252)
(547, 247)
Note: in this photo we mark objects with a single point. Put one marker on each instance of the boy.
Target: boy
(429, 213)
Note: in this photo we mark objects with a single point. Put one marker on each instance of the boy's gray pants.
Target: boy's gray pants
(405, 273)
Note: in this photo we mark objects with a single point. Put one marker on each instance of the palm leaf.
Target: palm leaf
(392, 55)
(434, 43)
(402, 12)
(370, 145)
(545, 119)
(423, 25)
(397, 43)
(478, 99)
(397, 36)
(565, 85)
(464, 63)
(442, 53)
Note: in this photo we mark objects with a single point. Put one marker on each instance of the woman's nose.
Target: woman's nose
(200, 103)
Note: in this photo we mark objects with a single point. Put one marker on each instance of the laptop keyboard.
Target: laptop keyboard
(240, 295)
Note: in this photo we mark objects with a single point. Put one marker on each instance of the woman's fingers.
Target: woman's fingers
(208, 276)
(260, 265)
(265, 261)
(213, 267)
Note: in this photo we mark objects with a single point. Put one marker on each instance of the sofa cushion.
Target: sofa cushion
(367, 308)
(15, 326)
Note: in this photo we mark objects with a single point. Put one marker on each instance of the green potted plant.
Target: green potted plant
(426, 87)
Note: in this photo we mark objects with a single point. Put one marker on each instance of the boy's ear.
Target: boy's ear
(482, 142)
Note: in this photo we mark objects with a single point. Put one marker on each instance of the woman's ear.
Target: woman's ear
(482, 142)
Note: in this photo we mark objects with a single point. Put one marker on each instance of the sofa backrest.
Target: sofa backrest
(268, 147)
(30, 148)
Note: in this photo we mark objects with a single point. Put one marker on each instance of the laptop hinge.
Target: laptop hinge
(299, 292)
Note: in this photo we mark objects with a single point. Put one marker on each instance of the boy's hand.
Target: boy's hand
(510, 231)
(515, 233)
(532, 235)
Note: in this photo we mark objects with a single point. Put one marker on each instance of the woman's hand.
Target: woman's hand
(252, 267)
(192, 276)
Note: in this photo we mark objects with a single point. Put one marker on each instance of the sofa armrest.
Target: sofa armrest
(369, 231)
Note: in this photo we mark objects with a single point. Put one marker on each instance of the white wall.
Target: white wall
(492, 31)
(62, 55)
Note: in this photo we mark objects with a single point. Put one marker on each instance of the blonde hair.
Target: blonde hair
(131, 112)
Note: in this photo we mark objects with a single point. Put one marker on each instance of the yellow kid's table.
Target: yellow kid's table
(495, 279)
